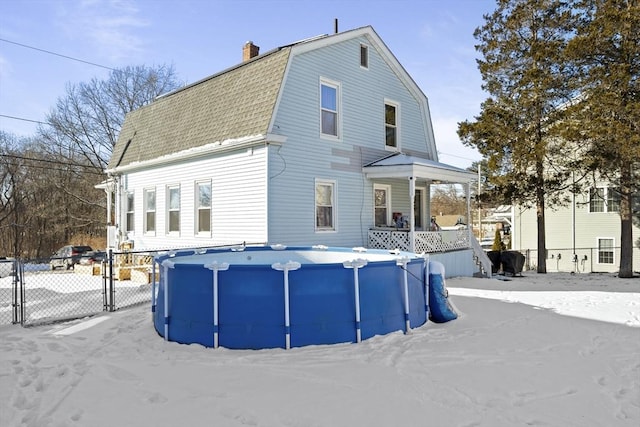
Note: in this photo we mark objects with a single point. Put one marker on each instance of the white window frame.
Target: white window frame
(396, 127)
(601, 251)
(196, 203)
(338, 87)
(334, 207)
(387, 190)
(606, 199)
(170, 209)
(147, 211)
(364, 52)
(130, 209)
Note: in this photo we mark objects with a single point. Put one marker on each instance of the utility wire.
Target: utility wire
(54, 162)
(57, 54)
(50, 53)
(23, 119)
(58, 169)
(453, 155)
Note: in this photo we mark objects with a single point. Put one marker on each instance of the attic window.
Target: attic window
(391, 125)
(364, 56)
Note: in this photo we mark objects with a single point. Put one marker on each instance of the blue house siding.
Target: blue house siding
(306, 156)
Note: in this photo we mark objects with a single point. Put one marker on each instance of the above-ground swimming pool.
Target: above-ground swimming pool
(269, 297)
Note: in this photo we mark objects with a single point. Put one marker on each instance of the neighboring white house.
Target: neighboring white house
(324, 141)
(588, 227)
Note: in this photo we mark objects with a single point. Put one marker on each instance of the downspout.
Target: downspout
(118, 213)
(469, 221)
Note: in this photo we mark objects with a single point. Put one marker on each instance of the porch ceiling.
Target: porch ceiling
(401, 165)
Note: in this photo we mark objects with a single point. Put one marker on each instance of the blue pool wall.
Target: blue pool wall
(251, 302)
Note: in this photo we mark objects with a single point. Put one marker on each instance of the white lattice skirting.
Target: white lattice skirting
(425, 241)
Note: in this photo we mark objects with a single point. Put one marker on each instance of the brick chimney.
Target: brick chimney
(249, 50)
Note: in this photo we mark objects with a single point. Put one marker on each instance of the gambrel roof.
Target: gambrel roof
(234, 106)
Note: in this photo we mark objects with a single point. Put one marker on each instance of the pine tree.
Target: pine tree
(606, 117)
(497, 241)
(523, 69)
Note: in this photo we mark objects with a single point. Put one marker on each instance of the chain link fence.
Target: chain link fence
(35, 293)
(579, 260)
(39, 291)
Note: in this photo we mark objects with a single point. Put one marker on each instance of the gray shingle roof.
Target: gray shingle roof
(235, 103)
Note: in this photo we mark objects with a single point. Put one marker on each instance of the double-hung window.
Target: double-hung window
(364, 56)
(173, 209)
(203, 207)
(329, 109)
(391, 111)
(325, 205)
(605, 251)
(604, 199)
(381, 203)
(130, 226)
(149, 211)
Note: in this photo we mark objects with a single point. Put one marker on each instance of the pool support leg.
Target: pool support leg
(402, 263)
(215, 267)
(426, 286)
(166, 264)
(356, 264)
(286, 267)
(153, 289)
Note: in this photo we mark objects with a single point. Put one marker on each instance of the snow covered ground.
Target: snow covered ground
(540, 350)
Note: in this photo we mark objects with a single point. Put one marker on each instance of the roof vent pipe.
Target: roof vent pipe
(335, 25)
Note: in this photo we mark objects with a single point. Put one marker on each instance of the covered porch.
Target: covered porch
(413, 231)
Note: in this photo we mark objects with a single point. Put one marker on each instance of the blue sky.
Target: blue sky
(432, 39)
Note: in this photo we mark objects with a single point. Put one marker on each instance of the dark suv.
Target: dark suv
(68, 256)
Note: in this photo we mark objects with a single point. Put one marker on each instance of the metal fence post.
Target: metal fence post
(19, 275)
(16, 304)
(105, 274)
(112, 291)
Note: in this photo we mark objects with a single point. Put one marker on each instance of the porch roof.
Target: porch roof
(400, 165)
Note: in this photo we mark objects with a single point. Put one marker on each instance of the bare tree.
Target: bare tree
(47, 183)
(87, 120)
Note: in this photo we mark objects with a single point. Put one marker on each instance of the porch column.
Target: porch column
(412, 220)
(469, 220)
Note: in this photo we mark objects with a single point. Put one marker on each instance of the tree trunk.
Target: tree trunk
(542, 243)
(626, 226)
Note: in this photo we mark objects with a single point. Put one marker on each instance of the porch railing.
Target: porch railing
(425, 241)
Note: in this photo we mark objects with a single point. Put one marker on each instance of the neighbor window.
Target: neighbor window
(130, 212)
(364, 56)
(325, 206)
(329, 108)
(173, 209)
(391, 124)
(149, 211)
(382, 197)
(605, 251)
(203, 207)
(604, 199)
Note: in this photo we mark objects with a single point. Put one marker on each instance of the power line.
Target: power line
(57, 54)
(23, 119)
(459, 157)
(54, 162)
